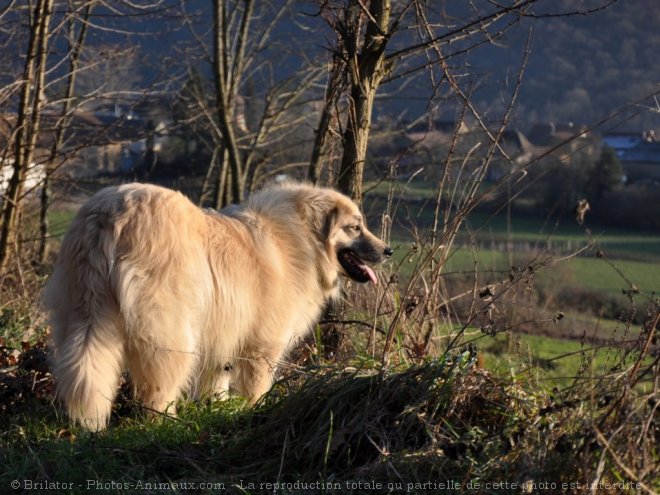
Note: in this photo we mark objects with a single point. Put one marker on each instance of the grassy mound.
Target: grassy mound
(444, 426)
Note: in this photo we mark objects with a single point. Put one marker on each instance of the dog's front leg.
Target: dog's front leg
(215, 383)
(254, 374)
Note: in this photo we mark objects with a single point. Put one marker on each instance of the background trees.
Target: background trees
(44, 92)
(31, 86)
(232, 83)
(418, 109)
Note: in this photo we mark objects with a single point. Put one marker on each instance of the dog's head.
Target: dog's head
(341, 227)
(342, 244)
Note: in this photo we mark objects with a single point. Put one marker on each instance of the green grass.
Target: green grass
(40, 445)
(584, 272)
(59, 220)
(567, 234)
(443, 420)
(596, 274)
(417, 198)
(580, 271)
(545, 361)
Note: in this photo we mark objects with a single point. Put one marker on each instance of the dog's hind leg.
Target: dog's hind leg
(162, 368)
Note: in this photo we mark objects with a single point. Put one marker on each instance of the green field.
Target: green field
(59, 220)
(578, 285)
(615, 243)
(414, 203)
(581, 271)
(545, 361)
(496, 241)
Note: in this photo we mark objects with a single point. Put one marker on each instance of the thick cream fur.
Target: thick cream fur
(187, 299)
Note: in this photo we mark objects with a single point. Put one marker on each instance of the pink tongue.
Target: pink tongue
(370, 272)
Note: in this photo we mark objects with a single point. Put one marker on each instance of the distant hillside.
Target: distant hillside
(580, 67)
(583, 67)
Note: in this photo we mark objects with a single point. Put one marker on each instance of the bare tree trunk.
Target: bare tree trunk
(366, 69)
(220, 198)
(333, 91)
(75, 48)
(28, 124)
(227, 72)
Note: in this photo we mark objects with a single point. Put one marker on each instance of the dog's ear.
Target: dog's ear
(322, 215)
(329, 223)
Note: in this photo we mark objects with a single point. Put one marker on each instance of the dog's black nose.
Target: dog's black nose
(388, 251)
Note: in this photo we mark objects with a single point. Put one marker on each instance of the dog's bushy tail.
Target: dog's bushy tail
(87, 353)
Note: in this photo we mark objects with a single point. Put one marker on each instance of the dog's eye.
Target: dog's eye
(356, 228)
